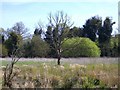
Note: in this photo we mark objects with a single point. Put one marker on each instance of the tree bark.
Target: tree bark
(59, 56)
(59, 60)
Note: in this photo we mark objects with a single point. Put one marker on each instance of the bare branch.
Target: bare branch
(8, 73)
(59, 23)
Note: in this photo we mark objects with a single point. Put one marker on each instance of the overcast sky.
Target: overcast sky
(31, 12)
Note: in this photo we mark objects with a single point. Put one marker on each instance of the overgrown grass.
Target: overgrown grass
(106, 73)
(49, 75)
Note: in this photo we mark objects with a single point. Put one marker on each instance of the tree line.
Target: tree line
(61, 38)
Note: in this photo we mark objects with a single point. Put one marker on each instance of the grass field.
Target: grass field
(47, 74)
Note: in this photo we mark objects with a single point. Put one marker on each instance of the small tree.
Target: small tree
(14, 46)
(58, 27)
(8, 73)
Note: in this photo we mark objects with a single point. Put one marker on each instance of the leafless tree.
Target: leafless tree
(20, 29)
(59, 23)
(8, 73)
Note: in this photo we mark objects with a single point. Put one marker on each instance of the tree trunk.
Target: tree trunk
(58, 57)
(59, 60)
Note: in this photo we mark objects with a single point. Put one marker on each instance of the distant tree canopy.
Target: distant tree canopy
(105, 37)
(40, 47)
(38, 32)
(91, 27)
(75, 32)
(20, 29)
(101, 32)
(61, 39)
(94, 27)
(105, 31)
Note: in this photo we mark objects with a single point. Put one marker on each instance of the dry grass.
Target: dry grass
(49, 75)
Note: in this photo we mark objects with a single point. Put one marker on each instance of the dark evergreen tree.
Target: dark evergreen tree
(105, 31)
(91, 27)
(104, 37)
(2, 35)
(12, 43)
(38, 31)
(75, 32)
(2, 39)
(49, 39)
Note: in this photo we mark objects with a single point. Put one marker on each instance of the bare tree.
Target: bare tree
(60, 24)
(8, 73)
(20, 29)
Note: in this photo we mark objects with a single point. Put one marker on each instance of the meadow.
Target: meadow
(72, 73)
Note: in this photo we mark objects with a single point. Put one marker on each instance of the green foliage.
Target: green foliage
(118, 45)
(12, 42)
(115, 46)
(59, 28)
(77, 47)
(75, 32)
(49, 39)
(91, 27)
(104, 32)
(3, 51)
(106, 44)
(39, 47)
(110, 48)
(35, 47)
(1, 38)
(2, 35)
(27, 49)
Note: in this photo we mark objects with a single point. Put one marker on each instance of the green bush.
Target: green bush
(80, 47)
(3, 51)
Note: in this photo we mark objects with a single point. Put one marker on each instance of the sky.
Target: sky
(119, 17)
(31, 12)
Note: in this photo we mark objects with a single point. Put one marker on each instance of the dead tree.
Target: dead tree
(8, 73)
(59, 24)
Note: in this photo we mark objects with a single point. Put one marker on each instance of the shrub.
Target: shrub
(3, 51)
(80, 47)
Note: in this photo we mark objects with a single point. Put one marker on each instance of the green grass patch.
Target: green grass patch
(34, 63)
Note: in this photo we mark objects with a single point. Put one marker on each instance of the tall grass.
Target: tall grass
(49, 75)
